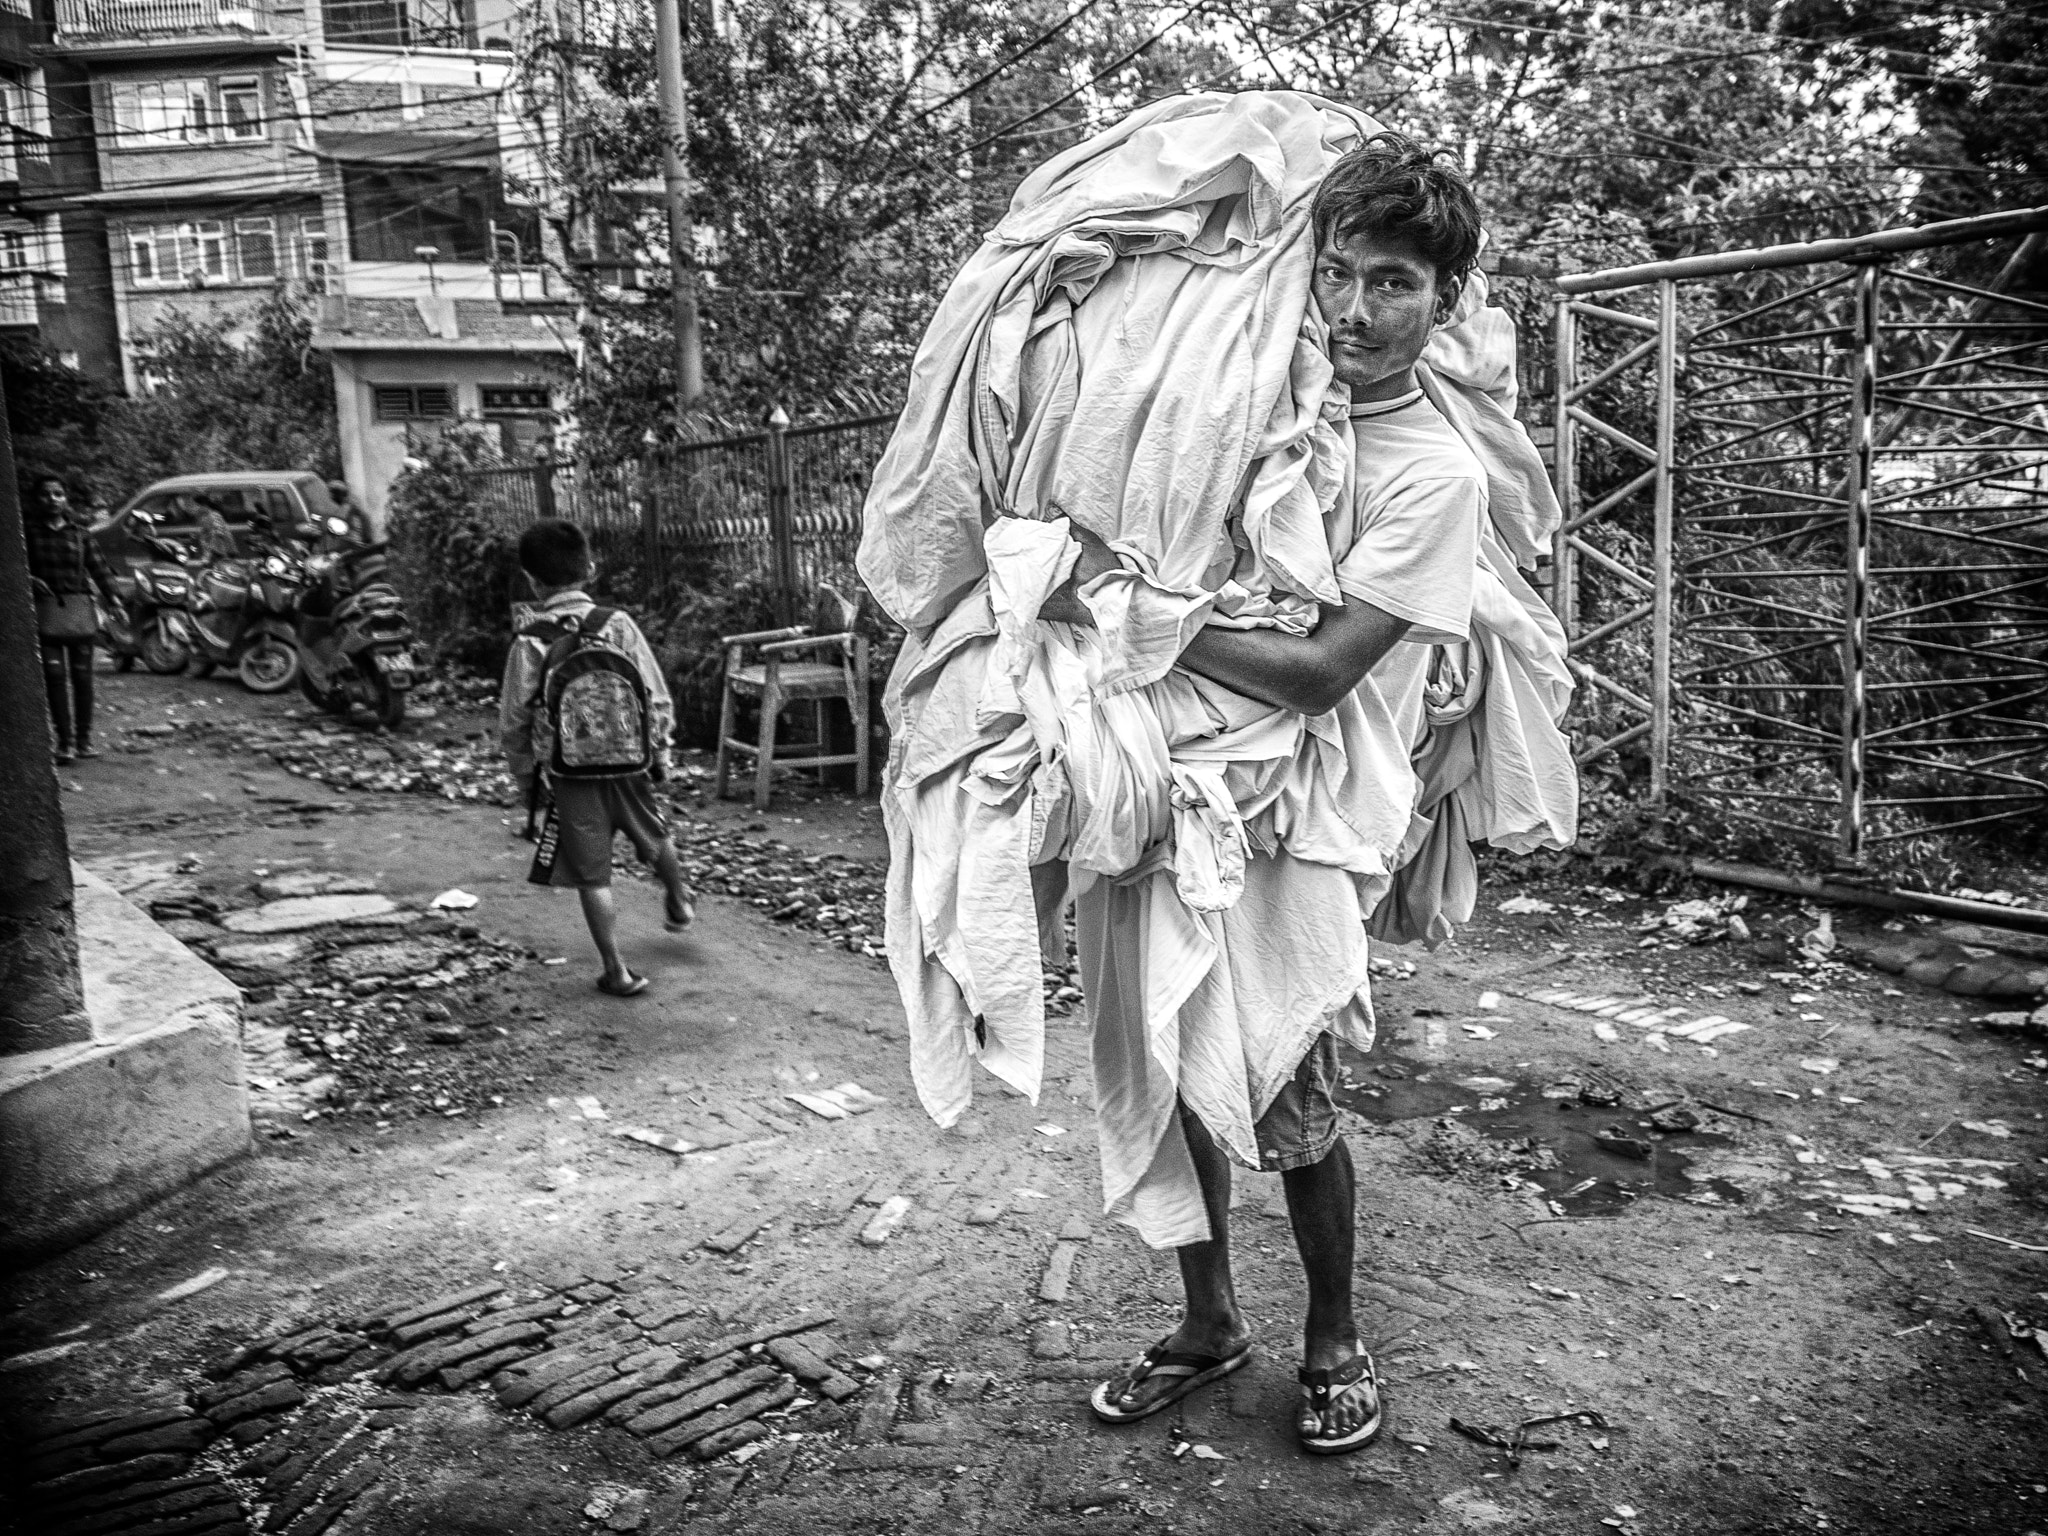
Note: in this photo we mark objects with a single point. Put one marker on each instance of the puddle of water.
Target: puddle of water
(1584, 1177)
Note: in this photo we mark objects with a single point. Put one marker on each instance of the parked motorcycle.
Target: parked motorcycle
(241, 617)
(137, 623)
(355, 642)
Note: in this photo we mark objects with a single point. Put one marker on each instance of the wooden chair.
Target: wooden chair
(839, 671)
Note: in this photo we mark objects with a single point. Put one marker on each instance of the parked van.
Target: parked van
(262, 507)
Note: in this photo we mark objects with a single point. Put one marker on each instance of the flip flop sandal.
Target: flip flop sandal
(1193, 1370)
(632, 986)
(674, 924)
(1323, 1390)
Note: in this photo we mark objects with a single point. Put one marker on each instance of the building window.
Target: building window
(161, 111)
(256, 250)
(178, 255)
(313, 263)
(13, 251)
(241, 108)
(393, 210)
(515, 398)
(413, 402)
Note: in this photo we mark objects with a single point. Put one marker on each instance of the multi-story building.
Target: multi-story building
(355, 148)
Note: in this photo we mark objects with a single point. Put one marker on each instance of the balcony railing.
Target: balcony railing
(18, 299)
(400, 23)
(20, 147)
(87, 20)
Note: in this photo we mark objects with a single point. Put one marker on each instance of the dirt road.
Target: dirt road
(1744, 1260)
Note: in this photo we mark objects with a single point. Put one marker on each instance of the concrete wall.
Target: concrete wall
(93, 1132)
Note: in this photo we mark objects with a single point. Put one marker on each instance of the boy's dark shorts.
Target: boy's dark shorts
(1300, 1126)
(589, 813)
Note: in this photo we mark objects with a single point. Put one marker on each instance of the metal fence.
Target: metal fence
(777, 511)
(1805, 556)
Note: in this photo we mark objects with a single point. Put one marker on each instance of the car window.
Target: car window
(284, 509)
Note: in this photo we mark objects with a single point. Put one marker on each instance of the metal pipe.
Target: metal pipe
(1988, 226)
(1661, 552)
(1856, 566)
(1564, 470)
(682, 257)
(1888, 899)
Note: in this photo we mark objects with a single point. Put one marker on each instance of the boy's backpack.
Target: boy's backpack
(595, 712)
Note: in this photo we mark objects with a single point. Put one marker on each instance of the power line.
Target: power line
(1028, 49)
(1099, 75)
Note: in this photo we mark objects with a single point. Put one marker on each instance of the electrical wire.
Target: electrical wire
(990, 76)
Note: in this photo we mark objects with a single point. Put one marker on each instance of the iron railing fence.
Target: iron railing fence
(776, 511)
(1805, 556)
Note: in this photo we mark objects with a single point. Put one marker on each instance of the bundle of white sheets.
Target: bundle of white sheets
(1134, 348)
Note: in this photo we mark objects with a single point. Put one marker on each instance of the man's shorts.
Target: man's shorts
(588, 813)
(1300, 1126)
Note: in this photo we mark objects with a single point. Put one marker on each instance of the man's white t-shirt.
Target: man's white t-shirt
(1406, 533)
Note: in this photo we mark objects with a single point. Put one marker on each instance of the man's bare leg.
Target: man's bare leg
(679, 909)
(1321, 1204)
(1211, 1323)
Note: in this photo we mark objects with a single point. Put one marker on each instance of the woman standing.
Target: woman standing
(64, 566)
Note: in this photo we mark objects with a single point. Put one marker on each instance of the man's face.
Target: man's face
(56, 501)
(1380, 298)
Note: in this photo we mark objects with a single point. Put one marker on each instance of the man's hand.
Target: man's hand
(1305, 673)
(1097, 558)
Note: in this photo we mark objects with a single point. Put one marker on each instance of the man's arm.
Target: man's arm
(1305, 673)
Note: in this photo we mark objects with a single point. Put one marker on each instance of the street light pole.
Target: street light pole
(675, 123)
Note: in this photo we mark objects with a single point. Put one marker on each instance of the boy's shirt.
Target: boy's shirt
(520, 719)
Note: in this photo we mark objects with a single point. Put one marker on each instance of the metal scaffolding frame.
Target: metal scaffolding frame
(1804, 556)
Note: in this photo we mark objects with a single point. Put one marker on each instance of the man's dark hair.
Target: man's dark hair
(554, 553)
(1396, 189)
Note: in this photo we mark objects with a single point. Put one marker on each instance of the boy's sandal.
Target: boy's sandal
(674, 922)
(1160, 1360)
(1324, 1389)
(632, 986)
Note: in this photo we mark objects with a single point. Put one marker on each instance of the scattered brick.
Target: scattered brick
(270, 1398)
(240, 1382)
(417, 1367)
(186, 1435)
(132, 1493)
(590, 1404)
(899, 1458)
(879, 1412)
(456, 1377)
(590, 1295)
(1059, 1272)
(987, 1214)
(309, 1490)
(1076, 1231)
(793, 1357)
(250, 1431)
(711, 1447)
(736, 1236)
(354, 1365)
(531, 1312)
(802, 1323)
(702, 1400)
(218, 1517)
(399, 1317)
(585, 1323)
(324, 1349)
(571, 1386)
(282, 1346)
(109, 1428)
(522, 1383)
(883, 1224)
(668, 1392)
(184, 1501)
(708, 1424)
(409, 1334)
(968, 1386)
(674, 1333)
(91, 1479)
(659, 1311)
(310, 1450)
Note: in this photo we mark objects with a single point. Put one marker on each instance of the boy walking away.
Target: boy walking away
(585, 721)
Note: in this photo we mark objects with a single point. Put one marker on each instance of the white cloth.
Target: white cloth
(1135, 348)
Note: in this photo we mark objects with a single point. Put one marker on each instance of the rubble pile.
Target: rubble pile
(355, 1000)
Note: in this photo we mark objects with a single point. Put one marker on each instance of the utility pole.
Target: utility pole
(675, 124)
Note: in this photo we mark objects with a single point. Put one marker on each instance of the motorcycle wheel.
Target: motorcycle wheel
(390, 706)
(161, 653)
(270, 665)
(333, 700)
